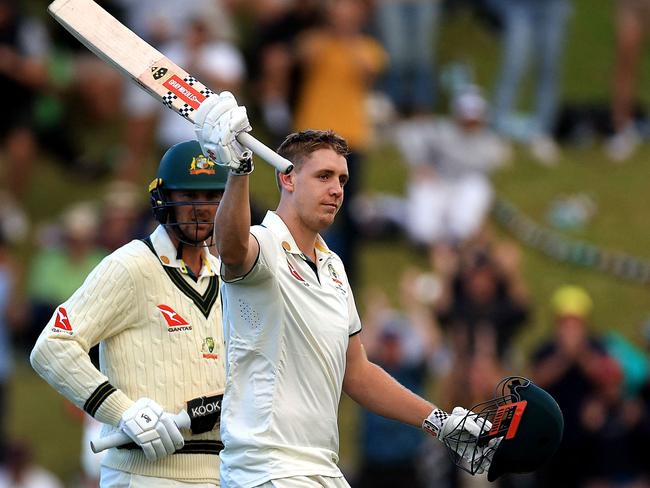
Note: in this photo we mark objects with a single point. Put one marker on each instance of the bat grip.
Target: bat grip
(283, 165)
(181, 419)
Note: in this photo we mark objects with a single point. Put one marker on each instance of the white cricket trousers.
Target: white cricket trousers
(306, 482)
(114, 478)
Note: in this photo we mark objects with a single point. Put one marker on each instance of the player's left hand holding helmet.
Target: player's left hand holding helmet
(218, 122)
(459, 431)
(515, 432)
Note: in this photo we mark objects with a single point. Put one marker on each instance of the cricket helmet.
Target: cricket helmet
(184, 167)
(526, 422)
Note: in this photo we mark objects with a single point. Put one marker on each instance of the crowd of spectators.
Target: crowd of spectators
(348, 65)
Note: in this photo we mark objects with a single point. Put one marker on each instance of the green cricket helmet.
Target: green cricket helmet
(523, 428)
(184, 167)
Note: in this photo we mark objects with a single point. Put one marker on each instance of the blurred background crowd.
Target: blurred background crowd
(449, 106)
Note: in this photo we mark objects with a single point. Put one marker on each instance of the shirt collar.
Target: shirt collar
(275, 224)
(166, 252)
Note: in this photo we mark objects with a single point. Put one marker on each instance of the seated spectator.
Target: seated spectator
(449, 192)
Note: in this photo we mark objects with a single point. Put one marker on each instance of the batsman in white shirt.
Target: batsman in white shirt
(290, 320)
(153, 307)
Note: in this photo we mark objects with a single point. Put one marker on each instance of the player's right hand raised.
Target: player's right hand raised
(151, 428)
(218, 122)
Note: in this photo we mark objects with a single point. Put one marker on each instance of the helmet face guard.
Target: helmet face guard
(524, 419)
(164, 212)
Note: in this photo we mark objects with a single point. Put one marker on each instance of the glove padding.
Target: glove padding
(151, 428)
(218, 122)
(465, 429)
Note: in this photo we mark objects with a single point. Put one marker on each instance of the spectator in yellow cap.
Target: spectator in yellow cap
(569, 367)
(574, 301)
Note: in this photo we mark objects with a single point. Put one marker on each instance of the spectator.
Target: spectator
(533, 32)
(58, 270)
(632, 17)
(340, 55)
(408, 30)
(482, 305)
(124, 216)
(272, 58)
(570, 366)
(449, 192)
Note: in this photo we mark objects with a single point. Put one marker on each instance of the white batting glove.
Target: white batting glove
(465, 430)
(152, 429)
(218, 121)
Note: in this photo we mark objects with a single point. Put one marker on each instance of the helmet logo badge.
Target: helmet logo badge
(201, 165)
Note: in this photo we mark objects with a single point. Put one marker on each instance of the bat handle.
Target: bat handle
(283, 165)
(181, 419)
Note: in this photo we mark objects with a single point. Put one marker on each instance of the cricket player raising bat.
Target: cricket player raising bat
(292, 328)
(153, 307)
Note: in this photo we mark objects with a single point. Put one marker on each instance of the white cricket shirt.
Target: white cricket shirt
(287, 329)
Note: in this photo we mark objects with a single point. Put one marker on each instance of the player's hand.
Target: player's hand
(152, 429)
(218, 122)
(459, 431)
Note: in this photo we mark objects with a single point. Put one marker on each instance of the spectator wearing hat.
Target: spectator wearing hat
(449, 192)
(572, 366)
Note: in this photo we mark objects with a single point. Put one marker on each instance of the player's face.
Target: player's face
(195, 211)
(318, 187)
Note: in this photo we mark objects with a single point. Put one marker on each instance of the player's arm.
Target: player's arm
(103, 306)
(373, 388)
(237, 247)
(218, 122)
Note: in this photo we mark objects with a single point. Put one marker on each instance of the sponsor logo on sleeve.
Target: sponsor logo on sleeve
(62, 322)
(175, 322)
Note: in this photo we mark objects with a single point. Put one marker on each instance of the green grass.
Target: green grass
(621, 223)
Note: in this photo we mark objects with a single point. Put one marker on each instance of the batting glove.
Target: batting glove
(218, 122)
(459, 431)
(152, 429)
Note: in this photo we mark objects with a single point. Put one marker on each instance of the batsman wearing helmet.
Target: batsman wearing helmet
(153, 307)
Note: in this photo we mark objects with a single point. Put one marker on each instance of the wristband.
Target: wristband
(434, 422)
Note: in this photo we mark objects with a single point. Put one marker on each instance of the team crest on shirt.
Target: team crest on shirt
(207, 348)
(175, 323)
(62, 322)
(295, 274)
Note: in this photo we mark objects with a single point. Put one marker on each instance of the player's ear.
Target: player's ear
(286, 182)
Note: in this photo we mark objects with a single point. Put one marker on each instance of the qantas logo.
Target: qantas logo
(175, 322)
(62, 321)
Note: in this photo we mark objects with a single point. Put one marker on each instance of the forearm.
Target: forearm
(233, 221)
(374, 389)
(66, 366)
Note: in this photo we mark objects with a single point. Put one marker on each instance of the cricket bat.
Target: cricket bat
(113, 42)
